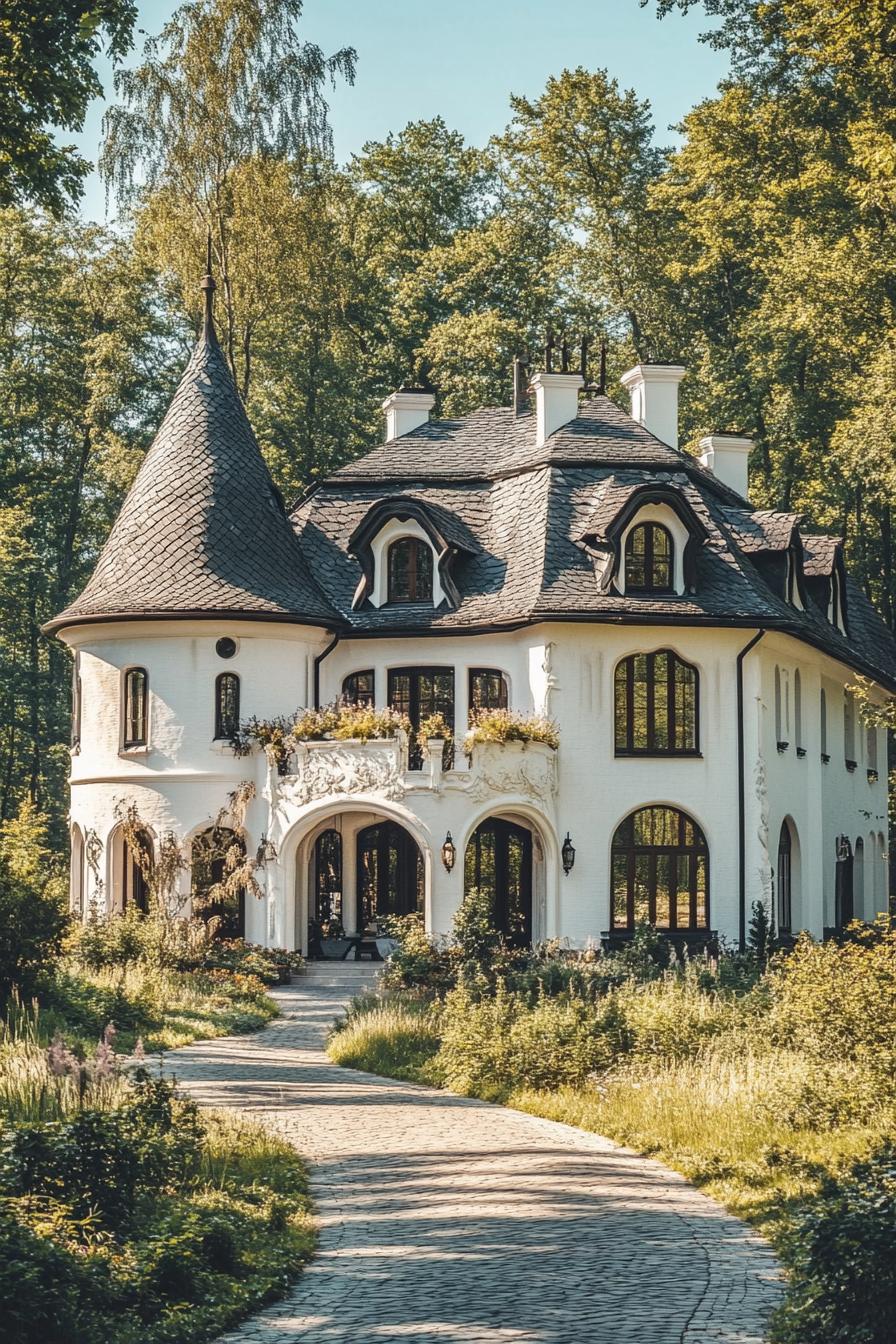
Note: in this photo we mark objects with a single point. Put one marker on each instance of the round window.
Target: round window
(225, 647)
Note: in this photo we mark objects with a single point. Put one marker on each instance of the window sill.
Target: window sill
(142, 750)
(825, 758)
(801, 752)
(222, 746)
(851, 766)
(782, 747)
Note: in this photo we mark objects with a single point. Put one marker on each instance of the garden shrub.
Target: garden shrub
(493, 1044)
(33, 920)
(843, 1288)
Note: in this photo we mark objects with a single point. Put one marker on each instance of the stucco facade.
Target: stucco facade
(546, 547)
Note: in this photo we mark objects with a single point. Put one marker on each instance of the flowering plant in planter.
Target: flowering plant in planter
(342, 723)
(507, 725)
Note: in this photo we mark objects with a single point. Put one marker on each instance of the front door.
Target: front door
(419, 692)
(390, 873)
(499, 861)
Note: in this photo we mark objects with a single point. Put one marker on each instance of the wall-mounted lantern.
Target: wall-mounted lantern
(449, 853)
(568, 854)
(267, 850)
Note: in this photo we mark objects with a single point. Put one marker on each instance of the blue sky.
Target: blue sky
(461, 59)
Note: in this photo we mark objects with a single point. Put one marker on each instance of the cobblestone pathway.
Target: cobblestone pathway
(443, 1219)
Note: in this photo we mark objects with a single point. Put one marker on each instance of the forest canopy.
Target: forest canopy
(758, 251)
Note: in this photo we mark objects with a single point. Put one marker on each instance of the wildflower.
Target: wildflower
(111, 1031)
(139, 1052)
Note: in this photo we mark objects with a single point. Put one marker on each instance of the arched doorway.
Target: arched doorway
(216, 855)
(132, 864)
(389, 873)
(498, 861)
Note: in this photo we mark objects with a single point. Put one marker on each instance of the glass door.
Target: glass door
(419, 692)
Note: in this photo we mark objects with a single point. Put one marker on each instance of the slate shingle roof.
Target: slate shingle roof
(203, 529)
(534, 512)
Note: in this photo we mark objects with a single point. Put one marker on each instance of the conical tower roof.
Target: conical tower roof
(203, 530)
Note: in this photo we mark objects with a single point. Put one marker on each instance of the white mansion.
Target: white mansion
(561, 558)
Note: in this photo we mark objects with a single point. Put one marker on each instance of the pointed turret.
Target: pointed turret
(203, 529)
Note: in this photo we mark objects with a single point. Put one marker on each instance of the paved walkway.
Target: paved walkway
(443, 1219)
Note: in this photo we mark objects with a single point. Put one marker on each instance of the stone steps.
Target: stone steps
(354, 977)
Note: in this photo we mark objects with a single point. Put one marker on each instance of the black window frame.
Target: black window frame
(626, 683)
(417, 547)
(416, 713)
(650, 559)
(354, 696)
(630, 851)
(784, 879)
(504, 694)
(140, 737)
(76, 703)
(224, 731)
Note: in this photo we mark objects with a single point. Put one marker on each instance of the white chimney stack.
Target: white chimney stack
(654, 394)
(727, 456)
(556, 401)
(406, 410)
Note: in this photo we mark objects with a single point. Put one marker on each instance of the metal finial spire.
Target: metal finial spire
(207, 285)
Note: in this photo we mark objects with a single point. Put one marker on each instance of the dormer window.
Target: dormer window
(648, 559)
(409, 571)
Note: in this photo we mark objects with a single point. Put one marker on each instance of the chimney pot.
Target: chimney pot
(407, 409)
(727, 456)
(556, 402)
(654, 394)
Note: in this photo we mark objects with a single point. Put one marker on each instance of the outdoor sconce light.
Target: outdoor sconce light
(568, 854)
(449, 853)
(267, 850)
(844, 849)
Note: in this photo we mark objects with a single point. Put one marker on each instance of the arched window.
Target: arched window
(785, 893)
(656, 710)
(76, 886)
(871, 751)
(227, 705)
(823, 711)
(648, 559)
(660, 871)
(488, 689)
(498, 864)
(328, 880)
(798, 712)
(779, 713)
(136, 701)
(849, 730)
(358, 688)
(409, 571)
(76, 702)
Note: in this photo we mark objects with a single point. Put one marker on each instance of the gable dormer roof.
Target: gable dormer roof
(203, 530)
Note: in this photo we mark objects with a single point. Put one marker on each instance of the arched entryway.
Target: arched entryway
(498, 861)
(389, 873)
(131, 869)
(216, 856)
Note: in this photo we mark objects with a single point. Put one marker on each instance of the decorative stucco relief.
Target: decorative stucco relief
(340, 770)
(507, 770)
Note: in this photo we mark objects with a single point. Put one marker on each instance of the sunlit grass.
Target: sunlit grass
(392, 1039)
